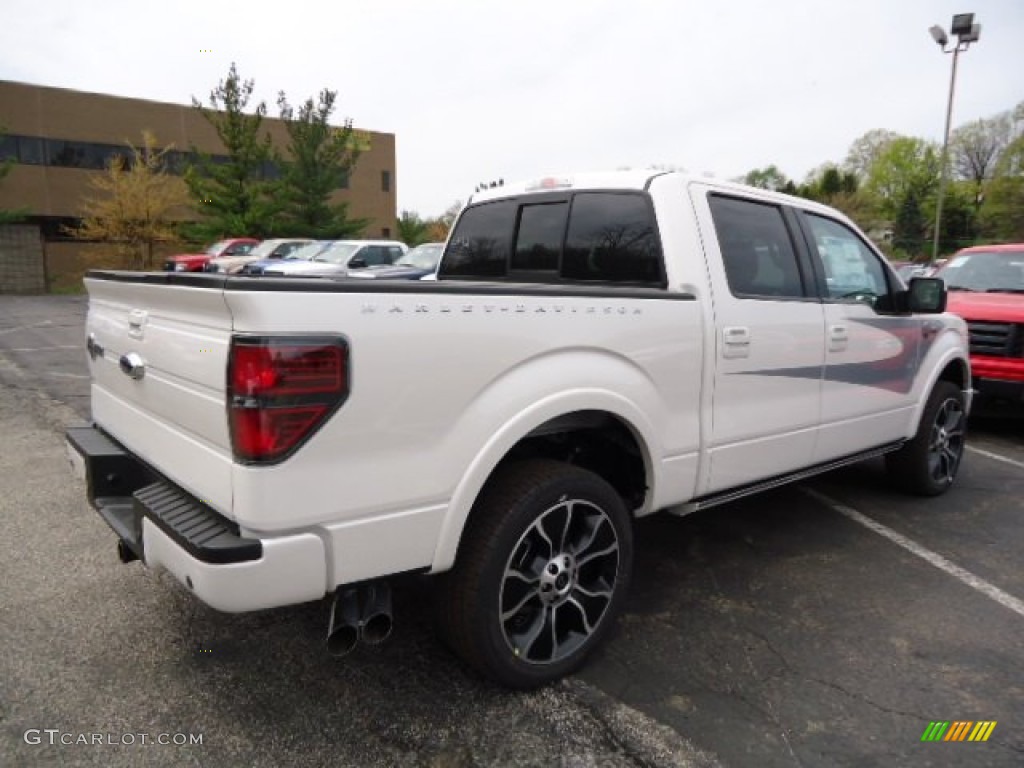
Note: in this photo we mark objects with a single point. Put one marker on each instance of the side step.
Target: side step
(733, 494)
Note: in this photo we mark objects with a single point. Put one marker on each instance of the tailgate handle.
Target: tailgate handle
(133, 365)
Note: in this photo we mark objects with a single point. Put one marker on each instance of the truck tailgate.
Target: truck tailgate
(159, 357)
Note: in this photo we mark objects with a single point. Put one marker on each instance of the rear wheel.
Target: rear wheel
(542, 570)
(927, 465)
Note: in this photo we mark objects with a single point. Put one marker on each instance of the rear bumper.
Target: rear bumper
(165, 527)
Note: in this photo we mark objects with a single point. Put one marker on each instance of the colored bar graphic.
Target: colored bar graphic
(982, 730)
(958, 730)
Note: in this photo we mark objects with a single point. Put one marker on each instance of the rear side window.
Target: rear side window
(756, 249)
(479, 245)
(604, 237)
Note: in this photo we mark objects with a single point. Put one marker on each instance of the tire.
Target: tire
(542, 572)
(927, 465)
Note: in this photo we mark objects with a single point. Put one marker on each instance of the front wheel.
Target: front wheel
(542, 571)
(927, 465)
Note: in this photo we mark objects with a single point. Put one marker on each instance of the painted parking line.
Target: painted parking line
(15, 329)
(996, 456)
(43, 349)
(934, 558)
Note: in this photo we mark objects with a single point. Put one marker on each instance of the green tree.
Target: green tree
(319, 159)
(135, 204)
(769, 177)
(865, 150)
(904, 166)
(1002, 211)
(909, 228)
(9, 217)
(412, 230)
(438, 228)
(234, 198)
(974, 150)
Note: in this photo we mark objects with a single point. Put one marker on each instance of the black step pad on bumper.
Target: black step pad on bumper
(202, 532)
(124, 490)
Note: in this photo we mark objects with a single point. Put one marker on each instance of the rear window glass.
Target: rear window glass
(539, 241)
(610, 237)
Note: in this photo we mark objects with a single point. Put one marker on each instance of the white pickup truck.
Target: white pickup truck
(595, 349)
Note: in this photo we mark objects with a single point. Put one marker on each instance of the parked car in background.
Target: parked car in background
(341, 256)
(194, 262)
(268, 249)
(415, 265)
(303, 253)
(986, 288)
(909, 269)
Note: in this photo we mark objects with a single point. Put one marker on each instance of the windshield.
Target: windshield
(216, 248)
(338, 253)
(422, 256)
(307, 252)
(265, 249)
(991, 272)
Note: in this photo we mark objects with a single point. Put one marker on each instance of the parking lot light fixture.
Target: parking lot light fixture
(966, 32)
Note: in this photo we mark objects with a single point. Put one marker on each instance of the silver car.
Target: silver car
(340, 256)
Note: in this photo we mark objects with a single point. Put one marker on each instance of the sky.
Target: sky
(476, 90)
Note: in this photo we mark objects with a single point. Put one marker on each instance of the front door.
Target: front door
(872, 353)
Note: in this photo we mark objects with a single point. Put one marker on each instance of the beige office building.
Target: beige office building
(58, 139)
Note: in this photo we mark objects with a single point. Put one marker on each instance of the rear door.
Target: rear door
(769, 355)
(158, 356)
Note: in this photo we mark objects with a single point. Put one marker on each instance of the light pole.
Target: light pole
(966, 32)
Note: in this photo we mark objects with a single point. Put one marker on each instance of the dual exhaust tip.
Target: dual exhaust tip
(359, 614)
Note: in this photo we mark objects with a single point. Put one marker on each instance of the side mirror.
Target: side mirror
(357, 263)
(927, 295)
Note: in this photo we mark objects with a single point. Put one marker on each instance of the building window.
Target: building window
(385, 181)
(385, 231)
(30, 151)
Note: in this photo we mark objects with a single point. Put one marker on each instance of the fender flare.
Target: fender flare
(514, 430)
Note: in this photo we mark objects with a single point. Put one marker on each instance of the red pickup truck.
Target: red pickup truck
(194, 262)
(986, 288)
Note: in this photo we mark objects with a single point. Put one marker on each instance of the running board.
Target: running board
(732, 494)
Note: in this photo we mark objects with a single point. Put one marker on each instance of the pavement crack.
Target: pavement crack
(865, 699)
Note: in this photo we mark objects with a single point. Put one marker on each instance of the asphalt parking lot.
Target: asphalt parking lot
(820, 625)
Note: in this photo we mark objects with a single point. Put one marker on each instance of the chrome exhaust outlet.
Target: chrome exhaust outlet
(343, 626)
(375, 621)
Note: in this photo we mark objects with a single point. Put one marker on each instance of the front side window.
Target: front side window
(852, 271)
(756, 249)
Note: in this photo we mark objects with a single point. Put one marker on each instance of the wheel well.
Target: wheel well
(594, 440)
(956, 373)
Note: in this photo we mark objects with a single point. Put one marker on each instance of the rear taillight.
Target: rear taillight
(280, 391)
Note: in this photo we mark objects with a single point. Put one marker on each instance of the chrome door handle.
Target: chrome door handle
(735, 342)
(838, 338)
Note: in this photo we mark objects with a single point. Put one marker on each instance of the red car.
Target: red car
(986, 288)
(194, 262)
